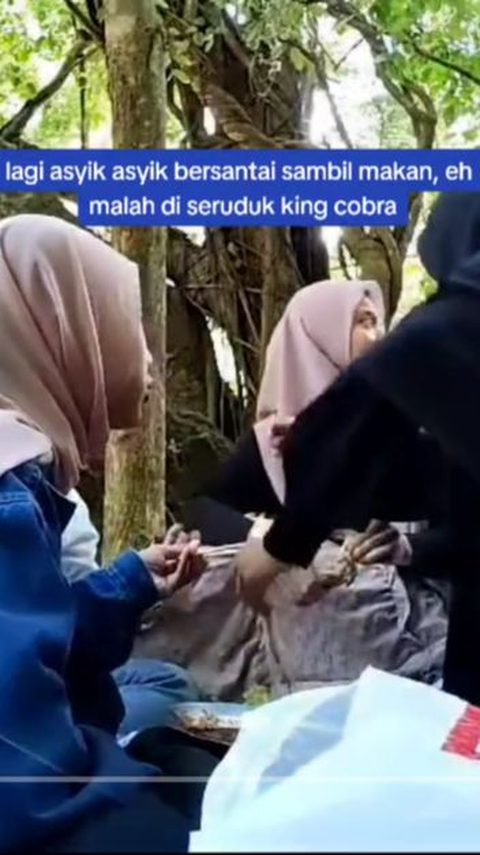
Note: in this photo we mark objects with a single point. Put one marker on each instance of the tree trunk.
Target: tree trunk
(135, 470)
(257, 270)
(194, 387)
(377, 256)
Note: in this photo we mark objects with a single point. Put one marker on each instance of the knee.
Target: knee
(159, 676)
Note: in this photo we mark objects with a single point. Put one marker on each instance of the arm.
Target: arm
(109, 602)
(109, 605)
(349, 457)
(37, 733)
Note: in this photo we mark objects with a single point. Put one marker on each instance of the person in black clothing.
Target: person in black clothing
(406, 412)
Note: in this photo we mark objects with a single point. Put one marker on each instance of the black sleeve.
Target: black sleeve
(350, 457)
(461, 671)
(242, 483)
(434, 552)
(452, 542)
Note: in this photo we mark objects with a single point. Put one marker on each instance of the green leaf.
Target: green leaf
(209, 42)
(297, 58)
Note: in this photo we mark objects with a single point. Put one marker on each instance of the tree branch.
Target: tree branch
(83, 103)
(187, 263)
(235, 44)
(445, 63)
(322, 80)
(172, 104)
(403, 234)
(18, 144)
(82, 80)
(95, 15)
(423, 121)
(340, 124)
(346, 55)
(84, 20)
(14, 127)
(234, 120)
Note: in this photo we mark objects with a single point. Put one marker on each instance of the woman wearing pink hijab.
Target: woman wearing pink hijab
(324, 327)
(74, 365)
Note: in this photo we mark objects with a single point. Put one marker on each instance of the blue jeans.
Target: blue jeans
(149, 689)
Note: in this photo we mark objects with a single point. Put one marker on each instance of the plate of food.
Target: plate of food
(218, 722)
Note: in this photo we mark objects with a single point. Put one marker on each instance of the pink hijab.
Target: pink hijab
(73, 351)
(309, 348)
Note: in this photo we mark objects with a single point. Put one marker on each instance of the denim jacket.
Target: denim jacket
(59, 708)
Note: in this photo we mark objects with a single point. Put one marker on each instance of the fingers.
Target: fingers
(386, 539)
(191, 565)
(375, 526)
(182, 558)
(172, 534)
(177, 535)
(381, 539)
(381, 555)
(186, 555)
(175, 562)
(376, 545)
(172, 552)
(196, 562)
(376, 534)
(347, 569)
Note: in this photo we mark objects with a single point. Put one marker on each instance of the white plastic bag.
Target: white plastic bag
(384, 764)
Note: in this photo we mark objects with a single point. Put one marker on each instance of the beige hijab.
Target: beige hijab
(309, 348)
(73, 352)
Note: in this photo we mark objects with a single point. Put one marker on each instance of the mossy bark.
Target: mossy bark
(135, 465)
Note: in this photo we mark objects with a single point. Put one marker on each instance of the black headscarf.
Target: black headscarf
(429, 367)
(450, 245)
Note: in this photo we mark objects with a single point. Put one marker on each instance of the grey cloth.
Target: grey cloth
(383, 619)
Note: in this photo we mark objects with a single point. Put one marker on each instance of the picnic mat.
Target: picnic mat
(382, 619)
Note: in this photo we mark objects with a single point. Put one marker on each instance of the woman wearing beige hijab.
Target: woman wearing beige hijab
(324, 327)
(74, 365)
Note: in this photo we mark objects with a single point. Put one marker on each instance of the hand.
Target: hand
(256, 570)
(279, 431)
(175, 562)
(381, 543)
